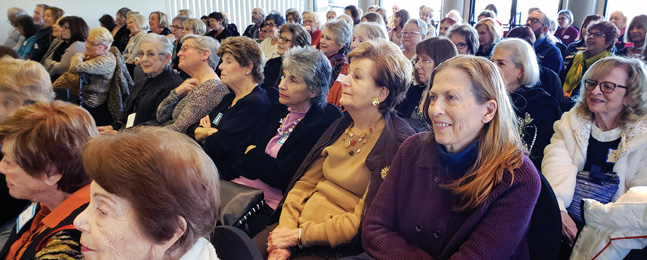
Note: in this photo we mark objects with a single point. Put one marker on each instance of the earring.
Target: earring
(375, 102)
(246, 73)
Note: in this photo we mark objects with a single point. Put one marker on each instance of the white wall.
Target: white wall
(91, 10)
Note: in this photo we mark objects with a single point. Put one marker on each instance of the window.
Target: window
(502, 6)
(323, 6)
(413, 7)
(628, 7)
(549, 7)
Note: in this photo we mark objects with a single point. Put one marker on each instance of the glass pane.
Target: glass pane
(628, 7)
(502, 6)
(549, 7)
(413, 7)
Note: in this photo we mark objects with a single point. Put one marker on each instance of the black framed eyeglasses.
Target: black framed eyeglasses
(605, 86)
(534, 21)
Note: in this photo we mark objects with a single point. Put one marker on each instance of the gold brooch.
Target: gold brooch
(384, 171)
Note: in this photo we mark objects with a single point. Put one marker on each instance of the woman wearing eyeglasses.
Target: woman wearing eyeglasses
(270, 44)
(290, 35)
(600, 39)
(413, 33)
(605, 134)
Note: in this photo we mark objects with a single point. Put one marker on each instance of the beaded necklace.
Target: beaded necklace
(283, 135)
(350, 142)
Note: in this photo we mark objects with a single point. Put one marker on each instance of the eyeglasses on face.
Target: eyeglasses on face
(149, 54)
(405, 33)
(423, 60)
(605, 86)
(595, 34)
(534, 21)
(93, 43)
(270, 24)
(187, 47)
(176, 27)
(460, 45)
(285, 40)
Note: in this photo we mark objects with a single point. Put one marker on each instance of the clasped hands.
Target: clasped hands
(280, 241)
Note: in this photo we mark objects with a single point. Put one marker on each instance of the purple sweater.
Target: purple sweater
(568, 35)
(412, 217)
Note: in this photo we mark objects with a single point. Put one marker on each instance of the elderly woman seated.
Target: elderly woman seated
(74, 32)
(141, 105)
(271, 156)
(237, 115)
(601, 141)
(457, 184)
(536, 110)
(197, 96)
(490, 33)
(336, 38)
(157, 198)
(414, 32)
(330, 193)
(41, 144)
(21, 83)
(98, 66)
(290, 35)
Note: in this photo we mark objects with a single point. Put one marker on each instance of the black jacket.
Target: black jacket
(538, 111)
(146, 96)
(277, 172)
(236, 124)
(42, 40)
(121, 38)
(272, 71)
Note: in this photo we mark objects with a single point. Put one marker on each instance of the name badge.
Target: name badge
(566, 37)
(340, 77)
(131, 120)
(25, 216)
(216, 120)
(612, 155)
(282, 140)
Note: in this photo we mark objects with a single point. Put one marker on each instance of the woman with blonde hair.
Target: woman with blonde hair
(459, 182)
(489, 33)
(137, 25)
(158, 22)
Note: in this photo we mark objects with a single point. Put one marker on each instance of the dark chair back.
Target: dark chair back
(233, 244)
(545, 231)
(62, 94)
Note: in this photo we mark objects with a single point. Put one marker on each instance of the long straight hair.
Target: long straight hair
(500, 149)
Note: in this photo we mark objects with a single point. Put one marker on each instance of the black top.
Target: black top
(146, 96)
(277, 172)
(176, 62)
(597, 155)
(407, 110)
(537, 111)
(121, 38)
(41, 44)
(272, 71)
(226, 33)
(235, 124)
(550, 82)
(164, 32)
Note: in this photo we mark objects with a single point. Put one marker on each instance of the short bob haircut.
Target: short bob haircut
(374, 17)
(636, 85)
(140, 20)
(107, 21)
(588, 20)
(220, 17)
(300, 37)
(499, 140)
(569, 16)
(404, 17)
(246, 52)
(295, 15)
(639, 21)
(343, 33)
(21, 81)
(313, 67)
(277, 18)
(422, 26)
(523, 57)
(196, 25)
(47, 140)
(78, 28)
(470, 34)
(101, 35)
(492, 27)
(391, 69)
(439, 49)
(206, 43)
(371, 30)
(354, 13)
(522, 32)
(162, 17)
(610, 31)
(164, 175)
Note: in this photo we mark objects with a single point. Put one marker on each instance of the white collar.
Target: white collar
(605, 136)
(201, 249)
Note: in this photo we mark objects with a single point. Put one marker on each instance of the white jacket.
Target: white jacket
(566, 155)
(200, 250)
(614, 229)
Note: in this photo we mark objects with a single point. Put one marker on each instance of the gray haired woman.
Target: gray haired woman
(198, 95)
(141, 106)
(336, 38)
(465, 37)
(290, 35)
(269, 159)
